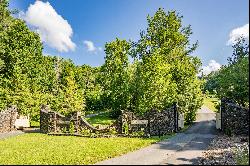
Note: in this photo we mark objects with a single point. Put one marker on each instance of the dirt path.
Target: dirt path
(184, 148)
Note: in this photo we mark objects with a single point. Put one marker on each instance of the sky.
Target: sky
(79, 29)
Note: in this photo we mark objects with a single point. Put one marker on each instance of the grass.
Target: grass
(101, 119)
(211, 103)
(34, 124)
(36, 148)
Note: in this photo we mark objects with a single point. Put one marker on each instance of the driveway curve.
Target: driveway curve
(184, 148)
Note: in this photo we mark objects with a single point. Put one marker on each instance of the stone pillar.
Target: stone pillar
(44, 119)
(7, 119)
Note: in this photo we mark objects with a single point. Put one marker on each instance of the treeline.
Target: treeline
(161, 73)
(232, 80)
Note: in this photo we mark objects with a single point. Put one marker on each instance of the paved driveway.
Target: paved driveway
(184, 148)
(18, 132)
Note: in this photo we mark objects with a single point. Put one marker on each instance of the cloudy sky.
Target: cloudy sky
(79, 29)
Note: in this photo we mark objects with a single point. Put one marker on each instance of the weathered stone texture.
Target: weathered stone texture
(162, 122)
(158, 122)
(53, 122)
(7, 119)
(234, 118)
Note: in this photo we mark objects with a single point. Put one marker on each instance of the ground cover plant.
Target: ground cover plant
(35, 148)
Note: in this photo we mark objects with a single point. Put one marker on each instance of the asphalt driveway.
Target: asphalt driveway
(184, 148)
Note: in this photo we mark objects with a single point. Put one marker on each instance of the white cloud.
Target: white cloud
(212, 66)
(53, 28)
(91, 47)
(237, 33)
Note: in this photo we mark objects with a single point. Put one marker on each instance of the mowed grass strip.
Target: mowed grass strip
(36, 148)
(211, 103)
(101, 119)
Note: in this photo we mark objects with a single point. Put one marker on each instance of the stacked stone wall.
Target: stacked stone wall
(152, 123)
(234, 118)
(7, 119)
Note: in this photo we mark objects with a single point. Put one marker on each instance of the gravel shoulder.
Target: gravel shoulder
(225, 150)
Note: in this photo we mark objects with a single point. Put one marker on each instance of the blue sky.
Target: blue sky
(97, 22)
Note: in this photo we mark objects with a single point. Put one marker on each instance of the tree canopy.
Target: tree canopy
(151, 73)
(232, 80)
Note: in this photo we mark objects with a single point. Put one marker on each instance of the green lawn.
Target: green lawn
(102, 119)
(210, 103)
(36, 148)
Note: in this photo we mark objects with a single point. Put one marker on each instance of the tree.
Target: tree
(72, 97)
(232, 80)
(115, 75)
(18, 46)
(167, 71)
(87, 79)
(29, 79)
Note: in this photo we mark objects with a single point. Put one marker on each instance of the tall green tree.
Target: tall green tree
(20, 57)
(166, 68)
(115, 75)
(29, 79)
(72, 96)
(232, 80)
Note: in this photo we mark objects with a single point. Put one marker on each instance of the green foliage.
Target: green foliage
(73, 96)
(190, 116)
(112, 131)
(35, 123)
(86, 132)
(20, 76)
(115, 75)
(242, 155)
(232, 80)
(139, 133)
(29, 79)
(71, 128)
(87, 78)
(166, 73)
(64, 130)
(125, 128)
(162, 71)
